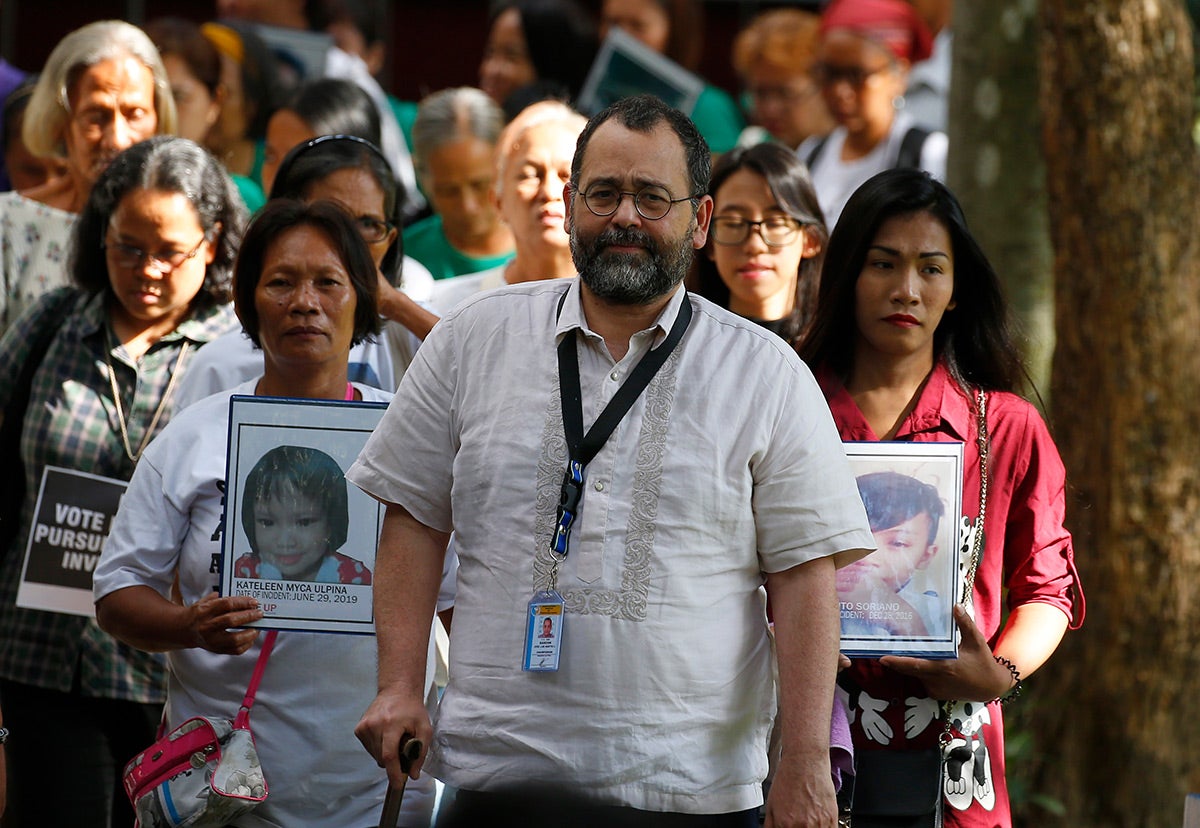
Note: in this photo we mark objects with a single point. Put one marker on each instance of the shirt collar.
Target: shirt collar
(941, 407)
(201, 327)
(572, 317)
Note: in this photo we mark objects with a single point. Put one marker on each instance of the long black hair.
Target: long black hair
(975, 338)
(789, 182)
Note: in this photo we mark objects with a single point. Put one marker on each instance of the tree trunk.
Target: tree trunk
(1119, 728)
(995, 165)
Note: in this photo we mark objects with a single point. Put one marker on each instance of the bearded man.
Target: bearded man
(709, 467)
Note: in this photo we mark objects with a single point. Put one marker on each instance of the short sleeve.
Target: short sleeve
(409, 458)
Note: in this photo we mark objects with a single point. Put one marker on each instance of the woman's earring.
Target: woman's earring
(898, 102)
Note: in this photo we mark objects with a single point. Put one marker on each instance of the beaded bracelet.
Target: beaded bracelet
(1015, 691)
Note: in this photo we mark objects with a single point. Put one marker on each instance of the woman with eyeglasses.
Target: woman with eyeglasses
(152, 260)
(865, 51)
(763, 255)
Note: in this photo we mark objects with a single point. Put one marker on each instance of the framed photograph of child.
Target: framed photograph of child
(297, 536)
(899, 600)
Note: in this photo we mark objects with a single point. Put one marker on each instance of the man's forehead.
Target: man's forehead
(616, 152)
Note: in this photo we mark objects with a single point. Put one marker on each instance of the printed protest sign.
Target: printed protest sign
(72, 517)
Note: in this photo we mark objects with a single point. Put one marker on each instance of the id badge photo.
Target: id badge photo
(544, 632)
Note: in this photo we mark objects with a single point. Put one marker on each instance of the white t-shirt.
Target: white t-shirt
(315, 687)
(447, 293)
(728, 466)
(836, 180)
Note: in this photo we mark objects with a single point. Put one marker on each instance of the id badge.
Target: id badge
(544, 632)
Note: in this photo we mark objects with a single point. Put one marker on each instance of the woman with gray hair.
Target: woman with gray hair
(454, 144)
(102, 90)
(152, 261)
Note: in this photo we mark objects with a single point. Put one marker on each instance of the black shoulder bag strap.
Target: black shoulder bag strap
(910, 148)
(815, 152)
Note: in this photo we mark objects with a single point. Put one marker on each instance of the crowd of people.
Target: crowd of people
(620, 352)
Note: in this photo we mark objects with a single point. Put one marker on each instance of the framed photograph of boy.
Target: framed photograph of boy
(297, 536)
(899, 600)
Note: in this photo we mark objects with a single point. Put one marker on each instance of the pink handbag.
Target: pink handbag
(203, 773)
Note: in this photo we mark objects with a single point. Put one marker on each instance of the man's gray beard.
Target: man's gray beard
(630, 278)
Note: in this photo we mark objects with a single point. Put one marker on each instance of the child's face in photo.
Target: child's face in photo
(902, 550)
(292, 533)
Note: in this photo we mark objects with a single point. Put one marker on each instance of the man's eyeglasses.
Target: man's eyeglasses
(827, 74)
(128, 256)
(776, 231)
(652, 202)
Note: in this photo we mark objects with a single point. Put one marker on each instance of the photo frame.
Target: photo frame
(624, 67)
(298, 537)
(899, 600)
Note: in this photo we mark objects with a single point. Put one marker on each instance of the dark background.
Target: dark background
(433, 43)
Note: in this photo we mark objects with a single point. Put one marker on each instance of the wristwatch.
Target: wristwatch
(3, 735)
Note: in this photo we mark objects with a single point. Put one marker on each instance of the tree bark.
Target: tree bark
(995, 165)
(1120, 729)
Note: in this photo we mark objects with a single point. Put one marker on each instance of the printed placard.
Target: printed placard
(298, 537)
(73, 514)
(899, 600)
(624, 66)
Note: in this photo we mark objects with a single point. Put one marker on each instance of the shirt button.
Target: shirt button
(599, 486)
(614, 376)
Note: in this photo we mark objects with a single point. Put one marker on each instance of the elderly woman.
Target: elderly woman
(103, 89)
(865, 52)
(301, 265)
(454, 145)
(152, 257)
(533, 164)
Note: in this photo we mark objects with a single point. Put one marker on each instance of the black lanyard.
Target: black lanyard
(581, 448)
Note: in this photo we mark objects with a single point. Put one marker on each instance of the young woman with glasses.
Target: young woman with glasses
(763, 256)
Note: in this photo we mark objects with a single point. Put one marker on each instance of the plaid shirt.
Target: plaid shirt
(72, 422)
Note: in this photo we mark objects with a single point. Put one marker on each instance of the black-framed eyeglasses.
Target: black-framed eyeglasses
(130, 257)
(651, 202)
(371, 229)
(776, 231)
(827, 74)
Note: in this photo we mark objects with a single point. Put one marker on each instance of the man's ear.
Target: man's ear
(704, 212)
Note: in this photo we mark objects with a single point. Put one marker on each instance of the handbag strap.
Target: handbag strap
(981, 437)
(243, 717)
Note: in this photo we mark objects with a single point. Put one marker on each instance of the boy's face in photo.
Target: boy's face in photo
(292, 533)
(902, 550)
